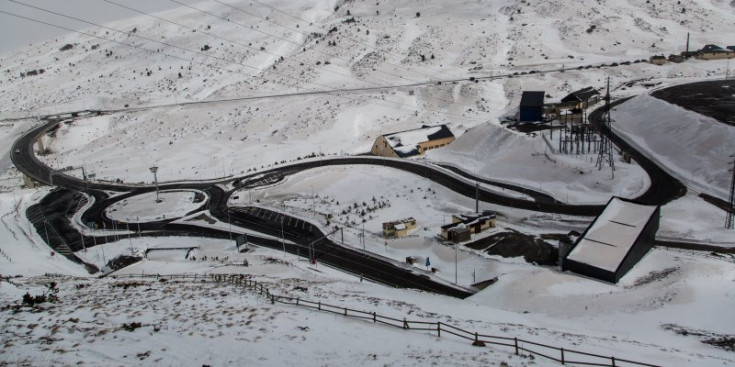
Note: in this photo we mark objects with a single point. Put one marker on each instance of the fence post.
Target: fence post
(319, 306)
(439, 329)
(374, 317)
(273, 299)
(405, 324)
(562, 356)
(613, 361)
(345, 311)
(297, 301)
(476, 338)
(515, 340)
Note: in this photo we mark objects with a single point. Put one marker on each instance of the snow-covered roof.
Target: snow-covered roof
(713, 48)
(400, 227)
(612, 234)
(405, 143)
(582, 94)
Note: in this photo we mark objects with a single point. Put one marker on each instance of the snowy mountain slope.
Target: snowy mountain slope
(383, 46)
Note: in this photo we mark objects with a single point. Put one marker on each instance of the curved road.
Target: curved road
(663, 189)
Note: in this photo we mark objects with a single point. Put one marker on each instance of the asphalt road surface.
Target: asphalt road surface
(307, 239)
(715, 98)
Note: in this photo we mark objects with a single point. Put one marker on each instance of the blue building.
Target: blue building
(532, 106)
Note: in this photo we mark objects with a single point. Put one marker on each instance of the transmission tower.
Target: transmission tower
(730, 220)
(606, 146)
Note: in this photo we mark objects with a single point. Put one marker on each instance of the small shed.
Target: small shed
(459, 234)
(532, 106)
(657, 60)
(676, 58)
(582, 98)
(398, 228)
(614, 243)
(476, 223)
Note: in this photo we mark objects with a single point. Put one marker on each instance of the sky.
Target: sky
(17, 33)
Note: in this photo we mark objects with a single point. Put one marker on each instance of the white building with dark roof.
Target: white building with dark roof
(614, 243)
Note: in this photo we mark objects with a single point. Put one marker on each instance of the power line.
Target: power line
(283, 39)
(328, 90)
(221, 38)
(277, 37)
(353, 41)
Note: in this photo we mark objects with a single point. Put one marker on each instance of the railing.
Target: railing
(558, 354)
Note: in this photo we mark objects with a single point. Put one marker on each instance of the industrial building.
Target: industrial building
(614, 243)
(532, 106)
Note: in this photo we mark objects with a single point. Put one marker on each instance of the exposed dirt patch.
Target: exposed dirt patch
(654, 276)
(514, 244)
(726, 342)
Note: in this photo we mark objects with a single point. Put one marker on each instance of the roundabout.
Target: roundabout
(152, 206)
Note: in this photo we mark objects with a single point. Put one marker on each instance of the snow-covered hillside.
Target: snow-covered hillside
(226, 88)
(258, 51)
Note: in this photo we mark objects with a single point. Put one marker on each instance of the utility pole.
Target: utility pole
(477, 197)
(455, 264)
(730, 220)
(229, 222)
(46, 230)
(605, 155)
(363, 234)
(283, 240)
(86, 186)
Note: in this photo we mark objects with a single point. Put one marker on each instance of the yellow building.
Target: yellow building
(475, 223)
(412, 142)
(714, 52)
(398, 228)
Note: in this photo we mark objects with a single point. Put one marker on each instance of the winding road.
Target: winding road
(306, 241)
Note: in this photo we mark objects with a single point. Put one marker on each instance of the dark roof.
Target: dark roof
(713, 48)
(395, 141)
(467, 219)
(532, 99)
(732, 48)
(583, 94)
(444, 132)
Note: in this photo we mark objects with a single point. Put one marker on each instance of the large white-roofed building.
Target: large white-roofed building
(614, 243)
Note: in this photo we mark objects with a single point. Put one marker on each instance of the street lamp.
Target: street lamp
(154, 169)
(229, 222)
(283, 240)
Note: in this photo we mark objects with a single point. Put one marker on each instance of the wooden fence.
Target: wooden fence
(561, 355)
(518, 346)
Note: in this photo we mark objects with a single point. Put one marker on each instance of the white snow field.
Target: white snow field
(219, 89)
